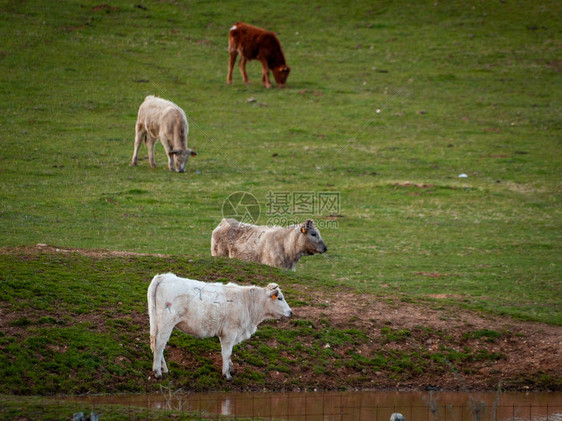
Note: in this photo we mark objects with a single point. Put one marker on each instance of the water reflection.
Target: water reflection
(365, 405)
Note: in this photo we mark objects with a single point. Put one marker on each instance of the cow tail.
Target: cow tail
(151, 298)
(213, 245)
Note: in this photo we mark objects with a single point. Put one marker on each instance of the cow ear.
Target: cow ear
(273, 290)
(192, 153)
(304, 230)
(172, 153)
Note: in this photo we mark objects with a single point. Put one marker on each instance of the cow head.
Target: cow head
(180, 158)
(281, 74)
(276, 306)
(310, 241)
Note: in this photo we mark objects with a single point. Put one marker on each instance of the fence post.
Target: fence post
(341, 409)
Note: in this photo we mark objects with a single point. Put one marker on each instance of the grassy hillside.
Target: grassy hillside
(385, 107)
(76, 322)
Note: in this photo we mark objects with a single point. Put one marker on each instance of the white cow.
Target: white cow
(230, 312)
(162, 119)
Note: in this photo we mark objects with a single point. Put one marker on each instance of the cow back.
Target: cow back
(255, 43)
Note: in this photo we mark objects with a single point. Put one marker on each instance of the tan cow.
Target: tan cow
(162, 119)
(230, 312)
(273, 246)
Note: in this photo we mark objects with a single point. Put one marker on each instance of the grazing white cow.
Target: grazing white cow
(231, 312)
(273, 246)
(161, 119)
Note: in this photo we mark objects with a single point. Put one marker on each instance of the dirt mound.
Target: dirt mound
(504, 351)
(347, 340)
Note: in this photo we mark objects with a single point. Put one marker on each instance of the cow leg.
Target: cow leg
(171, 165)
(242, 65)
(140, 135)
(159, 363)
(168, 149)
(150, 145)
(265, 75)
(164, 365)
(226, 350)
(231, 62)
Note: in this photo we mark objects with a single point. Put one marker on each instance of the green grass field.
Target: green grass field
(386, 105)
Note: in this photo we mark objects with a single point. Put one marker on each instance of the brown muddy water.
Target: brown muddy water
(352, 406)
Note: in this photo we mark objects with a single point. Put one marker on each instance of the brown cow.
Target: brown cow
(252, 43)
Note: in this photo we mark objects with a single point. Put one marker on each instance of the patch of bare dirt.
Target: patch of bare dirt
(417, 185)
(529, 350)
(46, 248)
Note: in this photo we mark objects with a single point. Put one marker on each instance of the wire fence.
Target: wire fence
(261, 407)
(333, 408)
